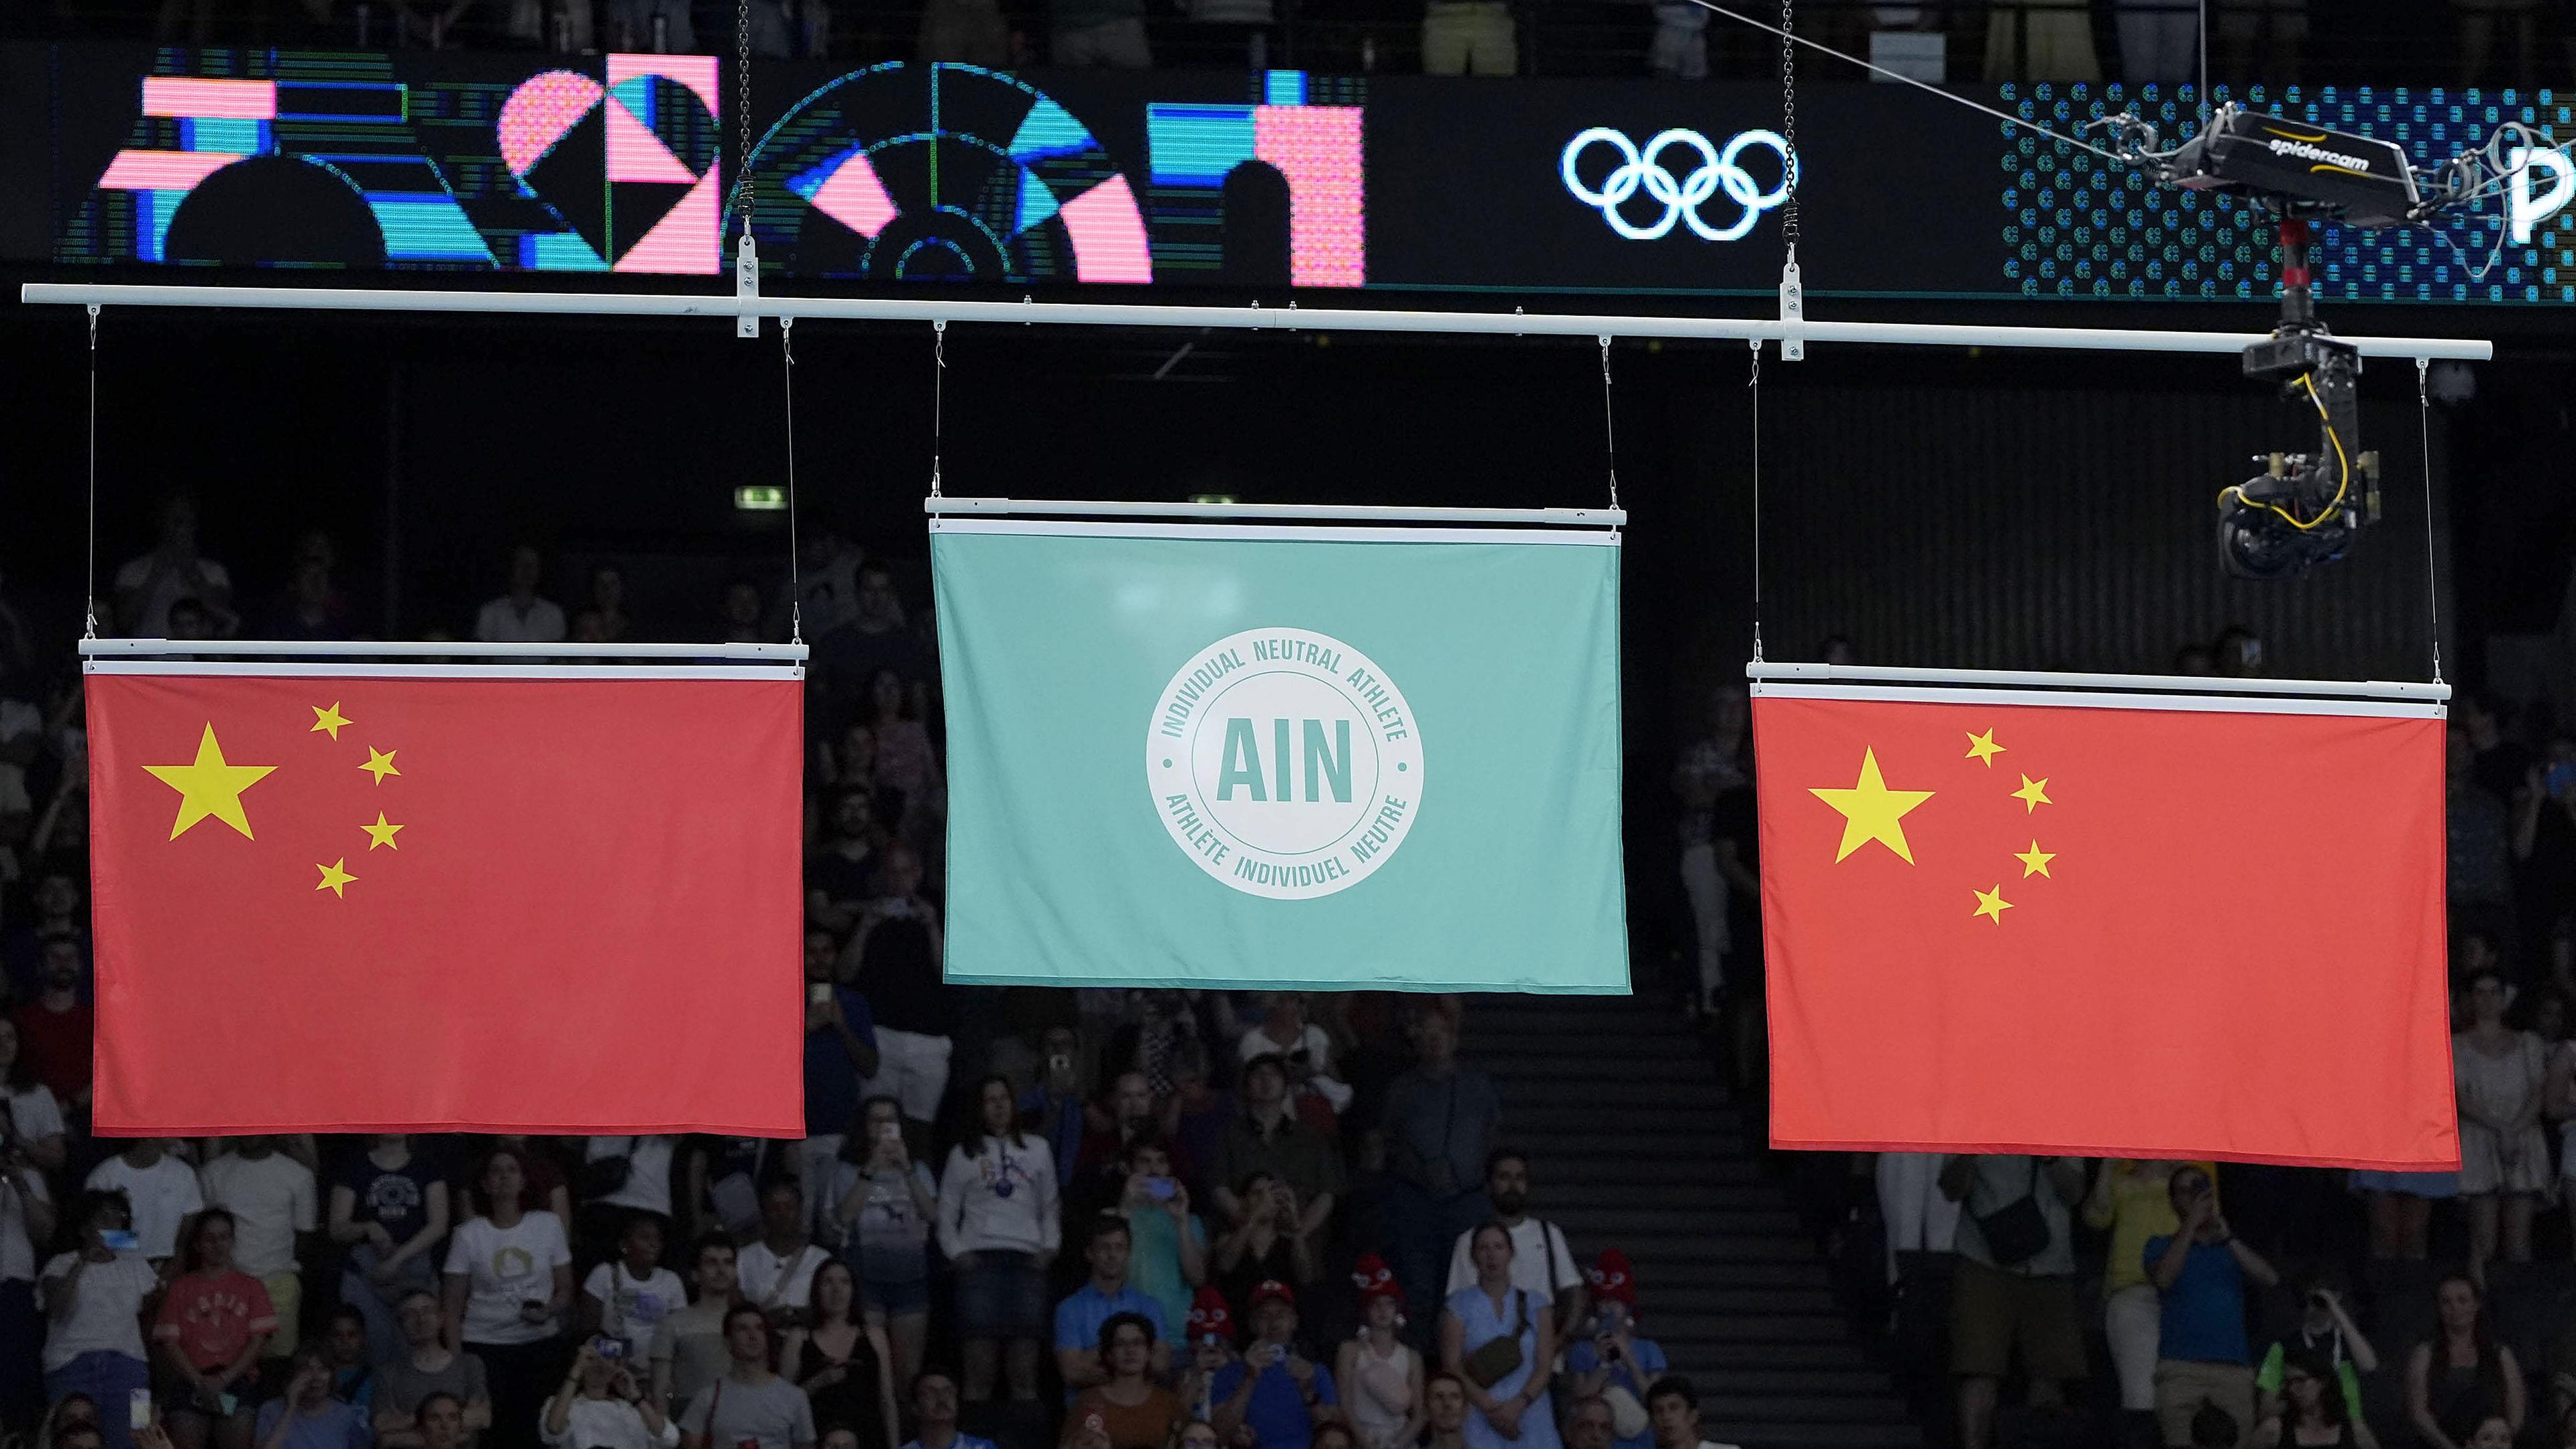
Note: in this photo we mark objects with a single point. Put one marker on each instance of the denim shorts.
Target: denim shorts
(907, 1295)
(1002, 1296)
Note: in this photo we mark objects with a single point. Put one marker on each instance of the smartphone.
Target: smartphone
(607, 1347)
(1160, 1189)
(118, 1240)
(819, 992)
(138, 1409)
(889, 1132)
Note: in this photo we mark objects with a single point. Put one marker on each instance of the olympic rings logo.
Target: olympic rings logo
(1643, 170)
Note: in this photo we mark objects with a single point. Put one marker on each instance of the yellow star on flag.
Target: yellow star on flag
(2034, 861)
(380, 763)
(334, 879)
(1991, 904)
(327, 719)
(1871, 811)
(2032, 794)
(209, 785)
(380, 833)
(1983, 749)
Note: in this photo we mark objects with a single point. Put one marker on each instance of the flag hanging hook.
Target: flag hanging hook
(1609, 425)
(89, 603)
(795, 554)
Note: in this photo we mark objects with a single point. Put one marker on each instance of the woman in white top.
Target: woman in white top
(2504, 1156)
(509, 1283)
(93, 1299)
(31, 1120)
(998, 1223)
(600, 1406)
(31, 1144)
(1307, 1049)
(1381, 1377)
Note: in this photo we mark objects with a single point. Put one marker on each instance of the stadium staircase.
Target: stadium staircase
(1616, 1101)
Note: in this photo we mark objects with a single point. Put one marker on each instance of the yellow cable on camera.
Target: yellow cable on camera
(2343, 471)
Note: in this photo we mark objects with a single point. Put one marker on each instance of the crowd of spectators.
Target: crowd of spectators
(1101, 1219)
(2199, 1303)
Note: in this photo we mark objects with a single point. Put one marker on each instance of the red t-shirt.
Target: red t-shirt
(57, 1044)
(212, 1319)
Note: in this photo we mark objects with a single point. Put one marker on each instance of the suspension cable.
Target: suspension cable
(795, 554)
(938, 398)
(2424, 432)
(1609, 425)
(89, 603)
(1754, 383)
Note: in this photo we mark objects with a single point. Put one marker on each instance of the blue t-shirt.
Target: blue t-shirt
(1066, 1140)
(1644, 1365)
(2204, 1310)
(962, 1441)
(1277, 1412)
(336, 1426)
(832, 1080)
(1078, 1318)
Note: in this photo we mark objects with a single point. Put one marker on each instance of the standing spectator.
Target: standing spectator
(1611, 1361)
(93, 1297)
(2159, 42)
(1270, 1243)
(934, 1414)
(509, 1284)
(1170, 1257)
(1379, 1370)
(1266, 1137)
(1709, 768)
(1273, 1390)
(1120, 1121)
(271, 1198)
(620, 1177)
(146, 587)
(1440, 1122)
(627, 1297)
(906, 763)
(26, 1222)
(887, 1204)
(2313, 1408)
(2479, 851)
(608, 605)
(1540, 1260)
(2461, 1376)
(520, 616)
(57, 1027)
(427, 1366)
(693, 1348)
(308, 1417)
(310, 607)
(776, 1269)
(738, 617)
(2015, 1282)
(1132, 1409)
(894, 958)
(1197, 1115)
(2133, 1200)
(2327, 1331)
(1674, 1404)
(840, 1056)
(1444, 1404)
(31, 1116)
(877, 636)
(1469, 37)
(2200, 1271)
(840, 877)
(1501, 1338)
(2504, 1156)
(601, 1406)
(161, 1188)
(843, 1362)
(56, 898)
(998, 1225)
(389, 1205)
(1106, 1294)
(1052, 1106)
(1307, 1049)
(751, 1405)
(211, 1327)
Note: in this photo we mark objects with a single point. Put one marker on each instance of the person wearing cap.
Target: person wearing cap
(1279, 1393)
(1383, 1372)
(1210, 1348)
(1610, 1360)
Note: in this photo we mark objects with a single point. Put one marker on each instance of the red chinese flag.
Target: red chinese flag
(2105, 926)
(428, 904)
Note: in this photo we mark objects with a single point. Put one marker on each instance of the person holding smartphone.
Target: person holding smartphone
(1170, 1259)
(1278, 1392)
(601, 1405)
(887, 1201)
(93, 1298)
(308, 1417)
(1610, 1358)
(509, 1283)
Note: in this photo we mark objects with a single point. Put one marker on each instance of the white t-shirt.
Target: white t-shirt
(163, 1196)
(271, 1200)
(206, 577)
(34, 1115)
(1533, 1243)
(504, 1268)
(106, 1306)
(1318, 1047)
(648, 1175)
(500, 622)
(17, 1250)
(607, 1424)
(633, 1308)
(761, 1273)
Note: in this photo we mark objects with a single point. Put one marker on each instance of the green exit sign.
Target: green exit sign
(760, 498)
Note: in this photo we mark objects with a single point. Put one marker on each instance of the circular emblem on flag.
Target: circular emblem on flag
(1284, 762)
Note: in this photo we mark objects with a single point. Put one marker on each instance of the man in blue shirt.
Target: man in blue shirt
(1078, 1318)
(2201, 1272)
(1280, 1393)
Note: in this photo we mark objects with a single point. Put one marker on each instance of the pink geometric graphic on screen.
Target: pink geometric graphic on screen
(538, 113)
(209, 100)
(697, 72)
(636, 154)
(685, 240)
(1108, 235)
(163, 170)
(1317, 148)
(853, 196)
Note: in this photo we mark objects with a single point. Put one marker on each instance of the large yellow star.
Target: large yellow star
(380, 763)
(327, 718)
(2032, 794)
(334, 879)
(1991, 904)
(209, 785)
(1983, 749)
(2034, 861)
(380, 833)
(1871, 810)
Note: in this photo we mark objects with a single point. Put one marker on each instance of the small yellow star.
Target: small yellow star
(380, 763)
(1991, 904)
(211, 786)
(380, 833)
(1871, 811)
(334, 879)
(327, 718)
(1983, 749)
(2034, 861)
(2032, 794)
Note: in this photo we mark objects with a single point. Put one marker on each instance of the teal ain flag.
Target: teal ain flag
(1282, 757)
